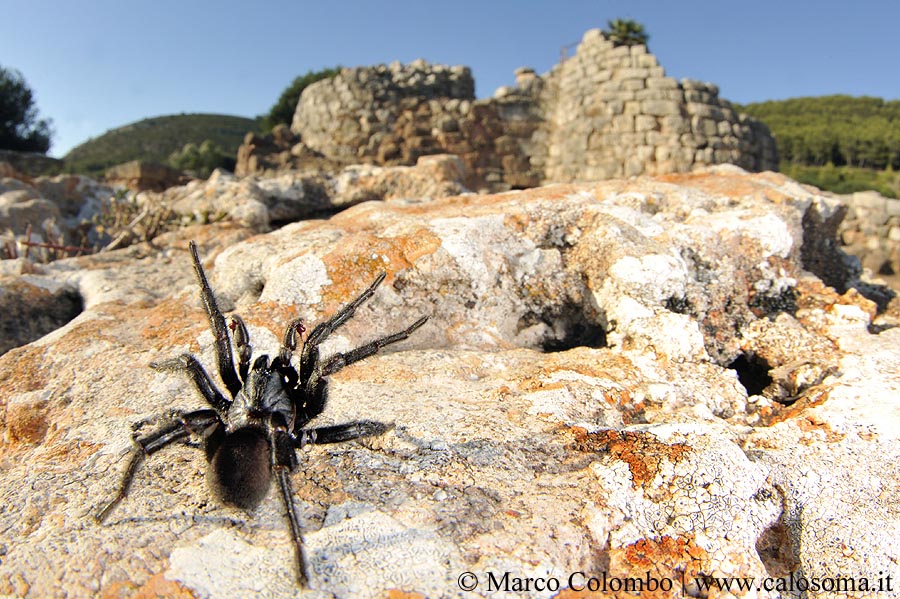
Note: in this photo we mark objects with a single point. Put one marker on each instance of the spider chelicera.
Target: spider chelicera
(253, 435)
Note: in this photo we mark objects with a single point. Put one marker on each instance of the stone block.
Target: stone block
(644, 122)
(594, 36)
(623, 124)
(620, 52)
(631, 73)
(633, 167)
(662, 83)
(647, 61)
(661, 107)
(704, 126)
(871, 200)
(662, 154)
(674, 124)
(892, 207)
(704, 156)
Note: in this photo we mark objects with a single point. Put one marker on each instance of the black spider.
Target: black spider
(256, 433)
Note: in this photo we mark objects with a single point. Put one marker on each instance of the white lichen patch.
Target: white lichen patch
(389, 554)
(216, 566)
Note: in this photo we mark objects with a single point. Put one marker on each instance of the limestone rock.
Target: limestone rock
(52, 208)
(572, 405)
(140, 175)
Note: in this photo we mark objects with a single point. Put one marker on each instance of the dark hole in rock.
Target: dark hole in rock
(577, 335)
(28, 312)
(567, 327)
(753, 373)
(573, 329)
(886, 268)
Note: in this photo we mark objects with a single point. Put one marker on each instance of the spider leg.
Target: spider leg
(180, 426)
(340, 360)
(309, 356)
(189, 364)
(288, 345)
(242, 343)
(314, 390)
(341, 432)
(224, 357)
(284, 460)
(287, 496)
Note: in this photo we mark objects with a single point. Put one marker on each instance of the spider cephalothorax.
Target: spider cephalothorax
(252, 437)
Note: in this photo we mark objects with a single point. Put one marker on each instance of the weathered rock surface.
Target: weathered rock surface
(261, 202)
(577, 402)
(48, 208)
(75, 211)
(140, 175)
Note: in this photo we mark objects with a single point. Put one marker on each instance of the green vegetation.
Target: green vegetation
(839, 143)
(845, 179)
(842, 130)
(625, 32)
(283, 110)
(20, 127)
(157, 139)
(201, 160)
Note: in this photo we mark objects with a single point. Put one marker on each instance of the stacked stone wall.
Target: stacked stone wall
(614, 113)
(871, 231)
(381, 114)
(392, 115)
(606, 112)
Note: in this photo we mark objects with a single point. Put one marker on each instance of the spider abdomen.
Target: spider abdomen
(240, 469)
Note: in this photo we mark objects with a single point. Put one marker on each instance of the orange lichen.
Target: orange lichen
(732, 185)
(398, 594)
(157, 587)
(26, 422)
(170, 322)
(814, 396)
(812, 424)
(670, 559)
(365, 255)
(22, 369)
(642, 452)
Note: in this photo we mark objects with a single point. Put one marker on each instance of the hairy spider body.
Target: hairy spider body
(252, 437)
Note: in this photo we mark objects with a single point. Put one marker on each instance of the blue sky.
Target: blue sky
(95, 65)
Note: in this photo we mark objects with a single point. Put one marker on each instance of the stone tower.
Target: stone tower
(612, 112)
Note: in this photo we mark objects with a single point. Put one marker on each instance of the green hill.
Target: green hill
(840, 143)
(155, 139)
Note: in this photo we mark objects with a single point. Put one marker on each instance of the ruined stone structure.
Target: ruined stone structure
(612, 112)
(871, 232)
(605, 112)
(141, 175)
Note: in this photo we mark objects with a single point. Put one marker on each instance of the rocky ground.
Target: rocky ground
(644, 379)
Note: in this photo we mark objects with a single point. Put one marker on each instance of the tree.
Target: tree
(20, 127)
(625, 32)
(201, 160)
(283, 110)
